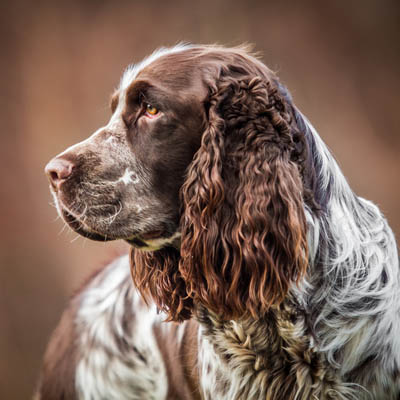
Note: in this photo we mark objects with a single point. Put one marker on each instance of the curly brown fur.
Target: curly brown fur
(157, 276)
(243, 220)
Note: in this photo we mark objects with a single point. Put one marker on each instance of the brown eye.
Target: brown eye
(151, 109)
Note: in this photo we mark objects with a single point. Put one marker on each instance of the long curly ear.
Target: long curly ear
(243, 226)
(156, 275)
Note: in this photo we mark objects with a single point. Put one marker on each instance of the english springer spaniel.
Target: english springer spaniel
(257, 272)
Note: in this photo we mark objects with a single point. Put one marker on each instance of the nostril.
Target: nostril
(58, 170)
(53, 176)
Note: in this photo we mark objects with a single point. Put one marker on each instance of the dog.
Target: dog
(257, 272)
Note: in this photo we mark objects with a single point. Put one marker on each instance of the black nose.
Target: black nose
(58, 170)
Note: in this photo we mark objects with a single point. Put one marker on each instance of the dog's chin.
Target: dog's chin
(83, 230)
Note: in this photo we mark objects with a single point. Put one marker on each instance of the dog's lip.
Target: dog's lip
(77, 226)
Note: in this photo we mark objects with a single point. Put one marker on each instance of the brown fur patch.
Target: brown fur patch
(57, 380)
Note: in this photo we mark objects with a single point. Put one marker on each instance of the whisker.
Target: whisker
(53, 204)
(62, 229)
(76, 238)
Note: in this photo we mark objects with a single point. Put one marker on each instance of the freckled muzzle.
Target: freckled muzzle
(103, 197)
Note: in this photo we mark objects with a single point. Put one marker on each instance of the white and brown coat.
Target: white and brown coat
(243, 230)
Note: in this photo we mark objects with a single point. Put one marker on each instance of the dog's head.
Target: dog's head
(123, 182)
(202, 164)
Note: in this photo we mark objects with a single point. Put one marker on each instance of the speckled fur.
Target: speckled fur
(273, 358)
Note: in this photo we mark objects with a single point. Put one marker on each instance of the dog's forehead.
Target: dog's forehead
(133, 70)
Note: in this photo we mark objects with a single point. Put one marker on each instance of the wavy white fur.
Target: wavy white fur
(353, 288)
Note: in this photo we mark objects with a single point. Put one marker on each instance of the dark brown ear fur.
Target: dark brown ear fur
(243, 224)
(243, 228)
(156, 276)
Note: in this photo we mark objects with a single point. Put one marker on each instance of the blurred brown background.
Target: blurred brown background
(61, 60)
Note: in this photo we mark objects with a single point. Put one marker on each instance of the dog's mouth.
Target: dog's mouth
(151, 240)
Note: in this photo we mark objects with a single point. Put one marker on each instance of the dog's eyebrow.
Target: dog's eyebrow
(143, 90)
(137, 88)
